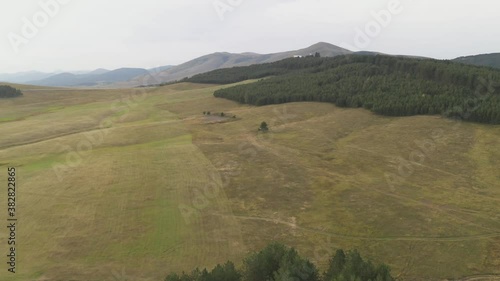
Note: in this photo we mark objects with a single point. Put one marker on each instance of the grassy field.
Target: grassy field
(132, 184)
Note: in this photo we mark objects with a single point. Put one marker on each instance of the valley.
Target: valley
(151, 185)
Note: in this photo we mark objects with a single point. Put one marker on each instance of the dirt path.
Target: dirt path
(86, 130)
(486, 277)
(355, 237)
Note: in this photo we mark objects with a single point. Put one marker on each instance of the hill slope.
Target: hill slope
(491, 60)
(316, 181)
(387, 85)
(227, 60)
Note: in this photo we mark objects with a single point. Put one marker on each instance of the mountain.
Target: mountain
(23, 77)
(98, 77)
(226, 60)
(62, 79)
(61, 76)
(98, 71)
(160, 68)
(491, 60)
(118, 75)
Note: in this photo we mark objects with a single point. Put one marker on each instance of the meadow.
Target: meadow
(131, 184)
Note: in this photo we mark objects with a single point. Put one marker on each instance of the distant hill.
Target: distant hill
(160, 68)
(99, 77)
(226, 60)
(491, 60)
(122, 74)
(23, 77)
(99, 71)
(62, 79)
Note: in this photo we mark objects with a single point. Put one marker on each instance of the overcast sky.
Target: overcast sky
(89, 34)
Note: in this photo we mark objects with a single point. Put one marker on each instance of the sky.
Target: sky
(71, 35)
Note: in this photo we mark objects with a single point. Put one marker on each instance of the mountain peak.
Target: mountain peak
(322, 45)
(226, 60)
(325, 49)
(98, 71)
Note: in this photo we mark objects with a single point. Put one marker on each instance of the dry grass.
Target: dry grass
(316, 181)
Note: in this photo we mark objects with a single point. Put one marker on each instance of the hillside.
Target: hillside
(387, 85)
(168, 189)
(491, 60)
(227, 60)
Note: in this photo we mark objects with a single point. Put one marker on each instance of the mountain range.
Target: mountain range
(94, 78)
(98, 77)
(24, 77)
(132, 77)
(226, 60)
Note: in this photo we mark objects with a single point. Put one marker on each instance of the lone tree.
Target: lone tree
(263, 127)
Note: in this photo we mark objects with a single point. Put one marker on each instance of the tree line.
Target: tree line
(387, 85)
(256, 71)
(9, 92)
(277, 262)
